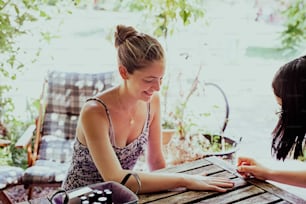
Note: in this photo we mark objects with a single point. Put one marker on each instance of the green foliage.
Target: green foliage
(15, 128)
(168, 123)
(186, 123)
(168, 118)
(295, 25)
(215, 144)
(166, 14)
(174, 112)
(5, 156)
(16, 18)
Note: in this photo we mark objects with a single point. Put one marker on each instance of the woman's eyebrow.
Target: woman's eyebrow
(154, 77)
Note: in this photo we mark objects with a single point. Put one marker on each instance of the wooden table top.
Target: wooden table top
(245, 191)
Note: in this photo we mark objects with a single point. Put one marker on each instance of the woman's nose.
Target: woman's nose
(157, 85)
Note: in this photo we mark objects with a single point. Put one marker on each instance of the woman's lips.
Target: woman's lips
(148, 94)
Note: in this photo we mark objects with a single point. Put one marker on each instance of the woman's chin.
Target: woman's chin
(147, 98)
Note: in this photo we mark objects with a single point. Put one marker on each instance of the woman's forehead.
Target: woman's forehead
(155, 69)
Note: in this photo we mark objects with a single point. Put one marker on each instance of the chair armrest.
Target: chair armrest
(26, 138)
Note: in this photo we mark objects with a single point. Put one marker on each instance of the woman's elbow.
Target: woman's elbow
(116, 176)
(157, 165)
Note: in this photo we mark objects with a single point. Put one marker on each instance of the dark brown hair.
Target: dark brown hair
(289, 84)
(136, 50)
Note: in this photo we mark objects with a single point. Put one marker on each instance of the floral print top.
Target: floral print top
(82, 170)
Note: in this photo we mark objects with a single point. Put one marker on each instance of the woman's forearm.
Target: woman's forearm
(296, 178)
(155, 182)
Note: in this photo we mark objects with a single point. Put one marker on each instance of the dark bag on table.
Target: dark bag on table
(119, 193)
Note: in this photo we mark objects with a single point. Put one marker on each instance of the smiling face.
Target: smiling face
(144, 82)
(141, 63)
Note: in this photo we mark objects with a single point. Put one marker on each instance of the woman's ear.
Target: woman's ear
(123, 72)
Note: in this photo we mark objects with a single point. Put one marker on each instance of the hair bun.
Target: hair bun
(122, 33)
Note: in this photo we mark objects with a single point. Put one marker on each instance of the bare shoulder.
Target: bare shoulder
(155, 99)
(95, 106)
(92, 106)
(93, 109)
(155, 103)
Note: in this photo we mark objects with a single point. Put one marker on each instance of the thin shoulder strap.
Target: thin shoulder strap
(148, 114)
(100, 101)
(111, 132)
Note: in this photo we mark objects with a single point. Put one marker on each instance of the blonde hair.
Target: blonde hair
(136, 50)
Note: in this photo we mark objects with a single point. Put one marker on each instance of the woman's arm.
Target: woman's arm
(155, 155)
(95, 130)
(95, 127)
(295, 178)
(155, 182)
(250, 167)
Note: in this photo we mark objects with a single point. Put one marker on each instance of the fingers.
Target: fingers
(220, 184)
(216, 188)
(245, 171)
(246, 175)
(245, 160)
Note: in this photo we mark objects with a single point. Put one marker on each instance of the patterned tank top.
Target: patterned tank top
(82, 170)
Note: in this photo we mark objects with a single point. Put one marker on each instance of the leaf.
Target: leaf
(43, 14)
(185, 15)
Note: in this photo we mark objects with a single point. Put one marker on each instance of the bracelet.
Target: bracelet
(127, 176)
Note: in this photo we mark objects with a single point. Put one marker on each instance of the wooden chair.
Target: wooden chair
(62, 97)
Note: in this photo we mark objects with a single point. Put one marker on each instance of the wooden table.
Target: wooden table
(245, 191)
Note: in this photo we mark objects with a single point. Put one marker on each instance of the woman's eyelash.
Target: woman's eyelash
(148, 80)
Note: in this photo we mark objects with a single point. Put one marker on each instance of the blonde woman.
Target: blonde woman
(115, 127)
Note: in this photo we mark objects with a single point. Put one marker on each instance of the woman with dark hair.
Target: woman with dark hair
(118, 125)
(289, 86)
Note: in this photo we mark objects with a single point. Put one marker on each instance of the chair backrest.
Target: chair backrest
(66, 92)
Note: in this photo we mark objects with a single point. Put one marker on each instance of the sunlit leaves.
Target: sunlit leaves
(295, 25)
(17, 18)
(168, 13)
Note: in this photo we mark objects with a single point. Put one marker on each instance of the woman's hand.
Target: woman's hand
(248, 167)
(201, 182)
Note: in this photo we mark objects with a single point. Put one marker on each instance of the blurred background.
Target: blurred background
(239, 44)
